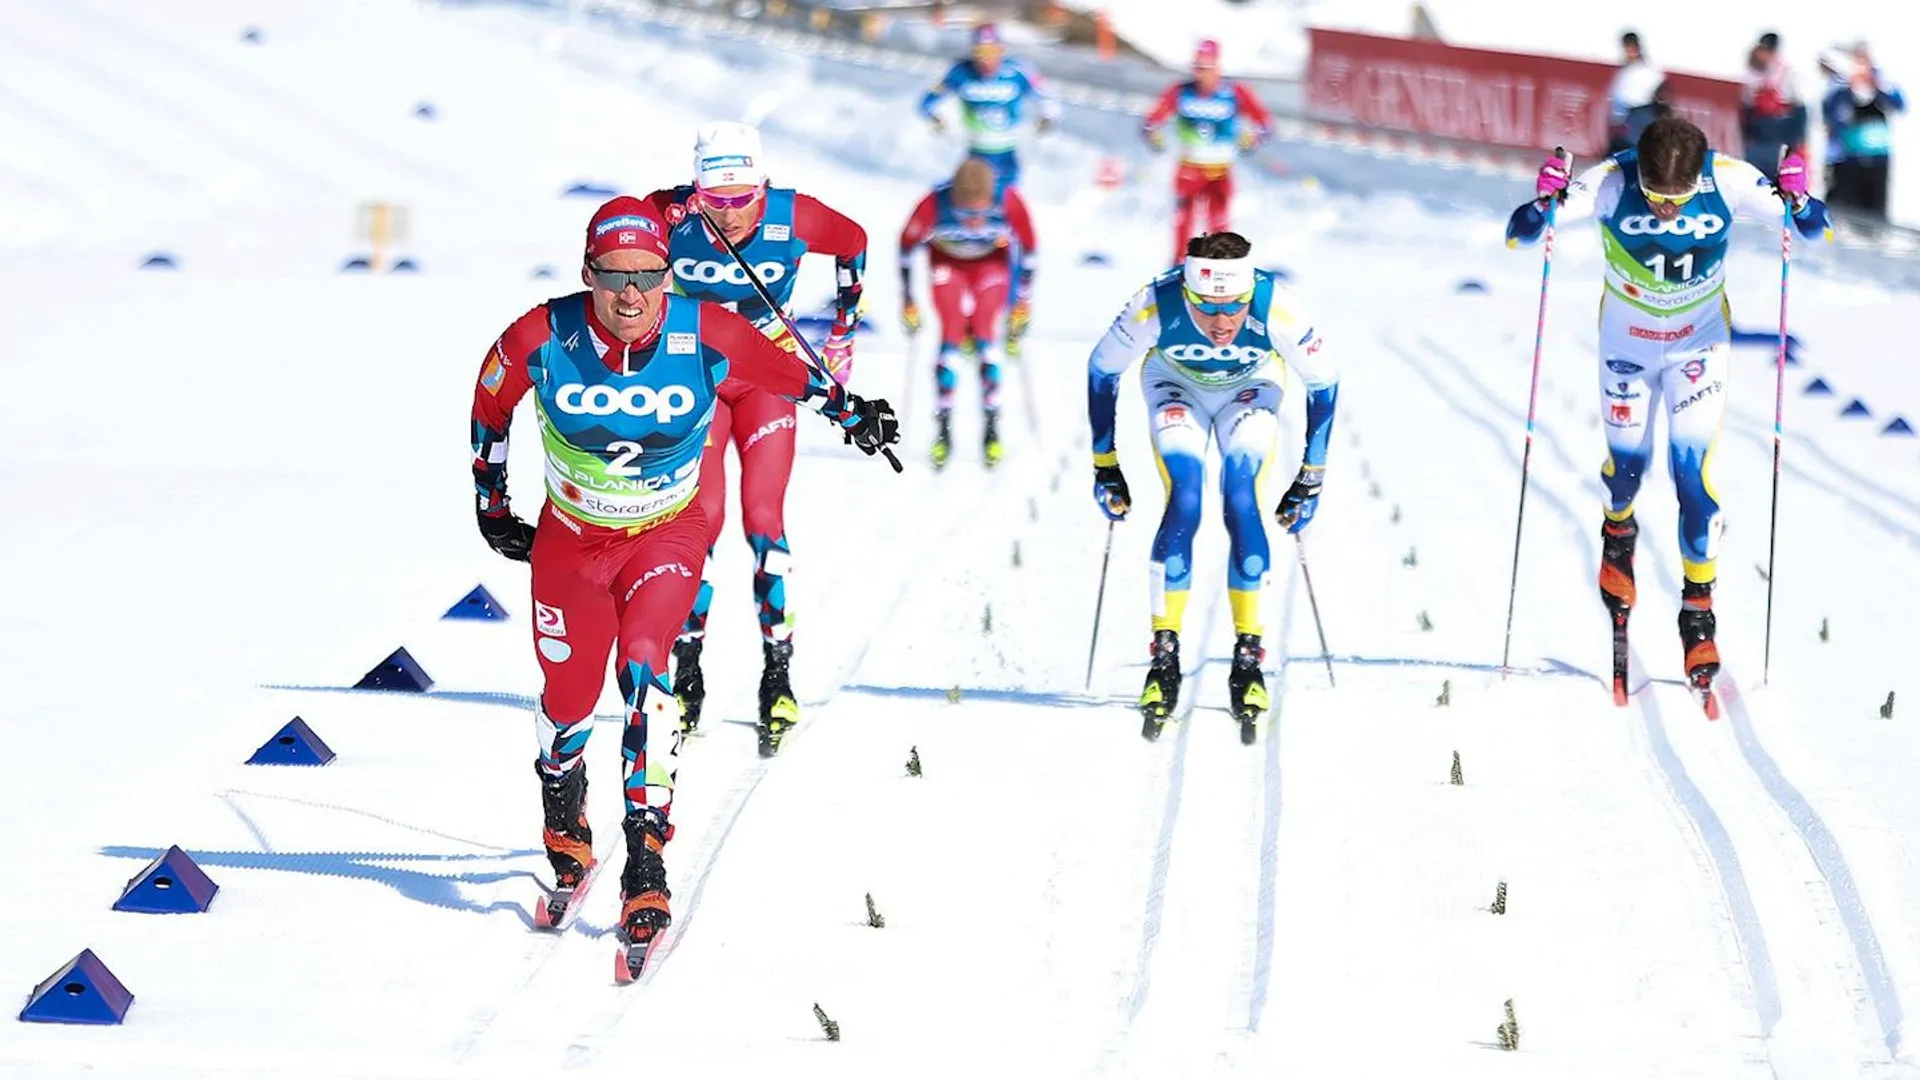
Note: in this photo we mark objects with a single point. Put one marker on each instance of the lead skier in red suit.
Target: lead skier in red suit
(624, 378)
(773, 227)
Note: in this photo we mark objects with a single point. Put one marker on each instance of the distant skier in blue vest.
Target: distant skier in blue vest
(625, 378)
(994, 91)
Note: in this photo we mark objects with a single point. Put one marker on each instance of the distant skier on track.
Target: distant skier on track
(981, 248)
(1665, 209)
(1217, 334)
(1215, 122)
(994, 91)
(773, 227)
(625, 377)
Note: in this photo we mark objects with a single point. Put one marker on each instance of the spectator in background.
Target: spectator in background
(1633, 105)
(1773, 117)
(1858, 104)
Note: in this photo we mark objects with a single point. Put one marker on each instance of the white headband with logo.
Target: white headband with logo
(1219, 279)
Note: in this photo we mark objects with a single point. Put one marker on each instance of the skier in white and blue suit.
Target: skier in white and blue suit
(1217, 334)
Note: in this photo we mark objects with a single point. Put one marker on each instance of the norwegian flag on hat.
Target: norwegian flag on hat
(626, 224)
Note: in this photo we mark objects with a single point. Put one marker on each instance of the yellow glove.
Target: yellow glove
(910, 317)
(1249, 139)
(1017, 320)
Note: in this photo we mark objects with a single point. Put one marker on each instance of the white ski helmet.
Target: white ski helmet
(727, 152)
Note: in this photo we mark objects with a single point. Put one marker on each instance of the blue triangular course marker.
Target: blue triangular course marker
(404, 266)
(1898, 427)
(172, 884)
(357, 262)
(543, 271)
(425, 110)
(397, 672)
(251, 35)
(159, 260)
(295, 744)
(1856, 407)
(82, 992)
(1095, 258)
(1278, 273)
(1818, 388)
(478, 604)
(584, 190)
(1470, 286)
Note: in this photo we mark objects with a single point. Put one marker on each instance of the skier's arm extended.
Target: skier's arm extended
(505, 377)
(1749, 192)
(1127, 340)
(1593, 193)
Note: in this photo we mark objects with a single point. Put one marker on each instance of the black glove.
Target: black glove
(1110, 491)
(508, 535)
(874, 424)
(1301, 500)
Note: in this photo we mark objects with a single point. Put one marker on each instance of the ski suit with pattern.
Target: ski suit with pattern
(1196, 391)
(621, 539)
(760, 425)
(1665, 326)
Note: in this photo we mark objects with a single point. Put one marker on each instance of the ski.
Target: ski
(630, 960)
(556, 913)
(1702, 686)
(1249, 733)
(1151, 727)
(1620, 659)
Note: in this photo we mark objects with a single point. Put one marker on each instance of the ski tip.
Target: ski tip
(623, 973)
(1620, 695)
(543, 916)
(1248, 733)
(1710, 702)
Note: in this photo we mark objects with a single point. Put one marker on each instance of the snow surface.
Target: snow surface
(1267, 38)
(260, 490)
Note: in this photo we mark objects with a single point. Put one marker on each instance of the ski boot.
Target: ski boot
(993, 448)
(779, 710)
(1162, 692)
(942, 438)
(568, 838)
(1696, 637)
(644, 914)
(1246, 686)
(1617, 540)
(689, 685)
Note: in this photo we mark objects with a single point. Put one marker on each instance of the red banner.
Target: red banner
(1515, 100)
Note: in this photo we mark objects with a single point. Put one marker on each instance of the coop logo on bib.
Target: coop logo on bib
(1205, 354)
(1699, 227)
(663, 403)
(714, 273)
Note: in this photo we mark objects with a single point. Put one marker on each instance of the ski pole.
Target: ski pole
(1779, 408)
(809, 357)
(1533, 398)
(1319, 627)
(1100, 601)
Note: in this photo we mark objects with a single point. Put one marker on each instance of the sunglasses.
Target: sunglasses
(617, 280)
(1657, 199)
(729, 202)
(1219, 307)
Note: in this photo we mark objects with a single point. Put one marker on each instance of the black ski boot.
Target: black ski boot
(568, 838)
(1246, 686)
(993, 448)
(942, 438)
(1162, 691)
(1617, 540)
(644, 911)
(779, 710)
(689, 685)
(1696, 637)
